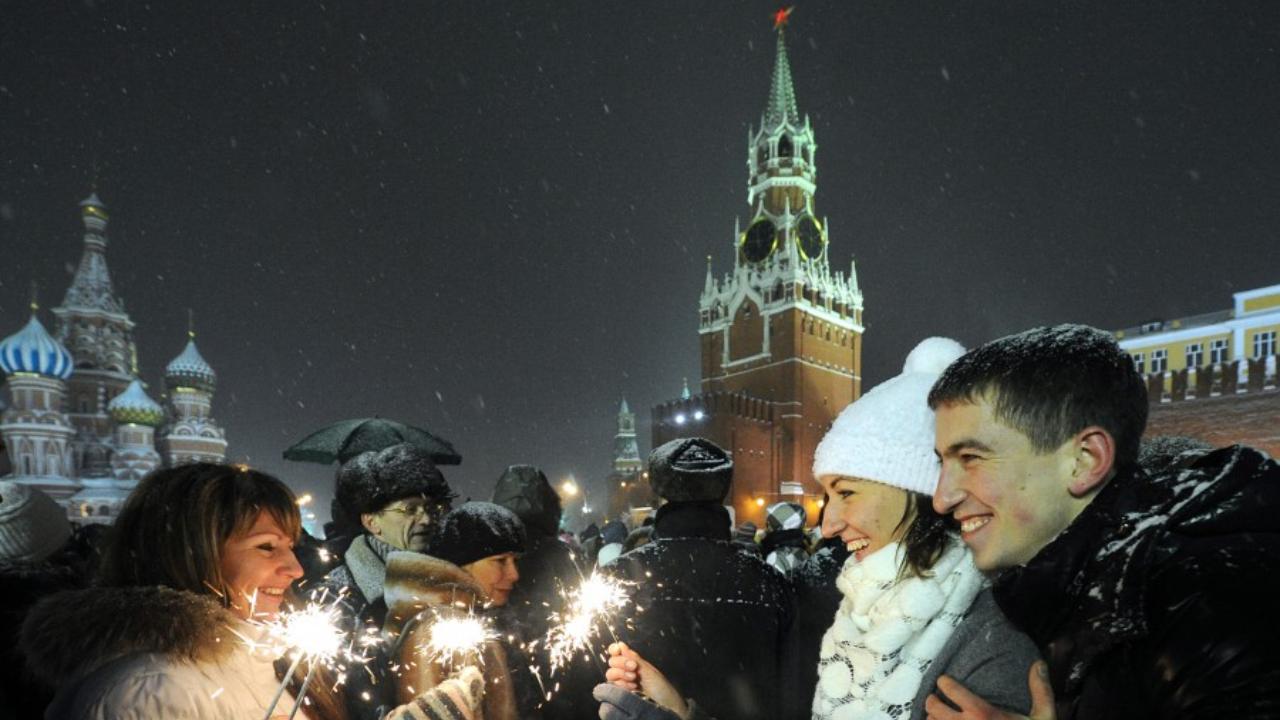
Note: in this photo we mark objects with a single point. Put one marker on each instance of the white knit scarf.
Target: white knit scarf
(887, 632)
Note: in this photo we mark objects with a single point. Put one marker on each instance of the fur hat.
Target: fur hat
(887, 434)
(32, 525)
(690, 470)
(372, 480)
(477, 530)
(525, 491)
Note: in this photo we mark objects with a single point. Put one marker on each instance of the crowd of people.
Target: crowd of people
(995, 541)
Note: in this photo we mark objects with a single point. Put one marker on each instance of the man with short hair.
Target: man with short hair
(1143, 593)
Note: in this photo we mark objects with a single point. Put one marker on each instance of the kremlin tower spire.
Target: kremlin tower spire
(626, 453)
(782, 94)
(781, 334)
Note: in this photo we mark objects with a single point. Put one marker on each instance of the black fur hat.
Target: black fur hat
(690, 470)
(372, 480)
(477, 530)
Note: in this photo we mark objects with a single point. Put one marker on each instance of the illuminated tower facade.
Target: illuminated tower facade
(781, 334)
(37, 433)
(93, 325)
(191, 434)
(626, 453)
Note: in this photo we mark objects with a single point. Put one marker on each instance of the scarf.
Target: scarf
(887, 632)
(366, 560)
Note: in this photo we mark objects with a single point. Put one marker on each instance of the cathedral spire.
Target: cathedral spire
(782, 94)
(91, 288)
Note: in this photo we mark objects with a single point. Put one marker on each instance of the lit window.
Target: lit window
(1139, 363)
(1264, 344)
(1159, 360)
(1218, 351)
(1195, 355)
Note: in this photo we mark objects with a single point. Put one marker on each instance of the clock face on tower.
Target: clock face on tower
(759, 240)
(809, 237)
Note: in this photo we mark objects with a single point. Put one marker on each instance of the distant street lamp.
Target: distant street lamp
(569, 487)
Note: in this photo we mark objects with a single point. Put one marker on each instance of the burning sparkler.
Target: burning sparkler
(310, 633)
(456, 641)
(592, 604)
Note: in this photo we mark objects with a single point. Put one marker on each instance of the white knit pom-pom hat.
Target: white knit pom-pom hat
(887, 434)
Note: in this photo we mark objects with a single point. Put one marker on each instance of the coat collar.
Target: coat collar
(70, 634)
(697, 519)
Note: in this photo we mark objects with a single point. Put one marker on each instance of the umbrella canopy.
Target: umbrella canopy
(344, 440)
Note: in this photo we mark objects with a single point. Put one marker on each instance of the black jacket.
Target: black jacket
(1152, 604)
(714, 617)
(817, 598)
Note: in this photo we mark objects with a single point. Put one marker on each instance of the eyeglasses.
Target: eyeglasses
(416, 511)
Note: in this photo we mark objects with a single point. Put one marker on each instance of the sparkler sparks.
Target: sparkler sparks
(458, 641)
(311, 633)
(592, 604)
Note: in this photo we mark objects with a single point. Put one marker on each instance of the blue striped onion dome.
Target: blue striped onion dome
(135, 406)
(33, 350)
(190, 370)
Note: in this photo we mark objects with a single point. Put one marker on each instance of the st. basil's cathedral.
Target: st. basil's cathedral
(77, 421)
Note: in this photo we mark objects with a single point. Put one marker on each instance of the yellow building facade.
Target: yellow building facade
(1244, 335)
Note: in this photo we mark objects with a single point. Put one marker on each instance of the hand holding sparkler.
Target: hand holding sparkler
(592, 604)
(631, 672)
(311, 634)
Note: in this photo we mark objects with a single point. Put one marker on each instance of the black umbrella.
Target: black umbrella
(344, 440)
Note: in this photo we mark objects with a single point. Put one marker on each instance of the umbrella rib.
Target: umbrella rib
(342, 449)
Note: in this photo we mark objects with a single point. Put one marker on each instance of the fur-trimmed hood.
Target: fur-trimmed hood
(70, 634)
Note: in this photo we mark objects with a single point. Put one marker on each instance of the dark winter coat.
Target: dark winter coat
(714, 617)
(1152, 603)
(22, 584)
(817, 598)
(357, 586)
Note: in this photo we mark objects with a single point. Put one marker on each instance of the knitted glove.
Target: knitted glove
(457, 698)
(619, 704)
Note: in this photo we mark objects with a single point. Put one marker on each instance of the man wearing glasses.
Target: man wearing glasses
(399, 496)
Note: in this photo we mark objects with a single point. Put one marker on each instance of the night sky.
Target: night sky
(492, 219)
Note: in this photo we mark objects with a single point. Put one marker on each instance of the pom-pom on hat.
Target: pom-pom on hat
(32, 525)
(690, 470)
(477, 530)
(887, 434)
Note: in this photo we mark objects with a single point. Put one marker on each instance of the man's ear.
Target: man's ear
(370, 523)
(1094, 453)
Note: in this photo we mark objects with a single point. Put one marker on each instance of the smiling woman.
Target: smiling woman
(197, 553)
(914, 606)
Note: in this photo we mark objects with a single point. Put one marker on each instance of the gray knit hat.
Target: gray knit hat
(32, 525)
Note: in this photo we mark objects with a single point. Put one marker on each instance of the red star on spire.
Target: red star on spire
(781, 17)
